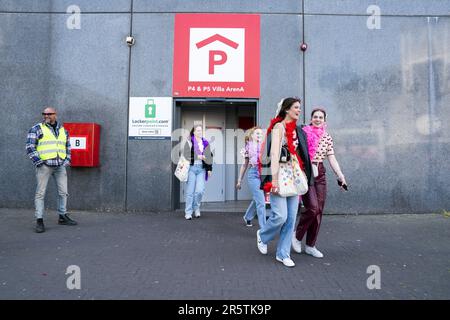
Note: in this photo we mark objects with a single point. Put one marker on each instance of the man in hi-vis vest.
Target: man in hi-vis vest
(48, 146)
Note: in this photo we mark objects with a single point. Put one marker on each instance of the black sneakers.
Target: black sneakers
(248, 223)
(65, 220)
(40, 226)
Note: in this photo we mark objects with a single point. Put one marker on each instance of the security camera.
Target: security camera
(130, 41)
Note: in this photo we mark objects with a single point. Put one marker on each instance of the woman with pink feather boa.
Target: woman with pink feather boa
(320, 147)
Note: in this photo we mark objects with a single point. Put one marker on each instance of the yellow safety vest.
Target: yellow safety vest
(50, 147)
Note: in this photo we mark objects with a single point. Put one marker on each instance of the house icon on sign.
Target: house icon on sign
(216, 54)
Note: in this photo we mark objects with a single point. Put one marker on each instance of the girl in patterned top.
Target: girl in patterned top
(320, 147)
(251, 153)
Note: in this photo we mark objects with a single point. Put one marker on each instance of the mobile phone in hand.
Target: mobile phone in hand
(342, 185)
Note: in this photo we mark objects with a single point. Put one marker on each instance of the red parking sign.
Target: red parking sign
(216, 55)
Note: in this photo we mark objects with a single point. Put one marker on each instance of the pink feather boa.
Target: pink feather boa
(314, 134)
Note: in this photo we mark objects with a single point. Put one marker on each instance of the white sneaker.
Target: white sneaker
(313, 251)
(188, 216)
(261, 246)
(287, 262)
(248, 223)
(296, 244)
(197, 213)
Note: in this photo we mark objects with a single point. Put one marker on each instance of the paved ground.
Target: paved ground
(163, 256)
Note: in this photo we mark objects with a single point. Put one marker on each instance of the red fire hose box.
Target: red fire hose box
(85, 143)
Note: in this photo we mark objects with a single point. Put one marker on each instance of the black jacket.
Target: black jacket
(302, 151)
(304, 154)
(188, 152)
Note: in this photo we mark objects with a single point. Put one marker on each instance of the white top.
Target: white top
(200, 147)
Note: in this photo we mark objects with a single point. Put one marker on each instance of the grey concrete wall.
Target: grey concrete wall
(238, 6)
(84, 74)
(281, 62)
(387, 7)
(24, 73)
(387, 93)
(149, 164)
(88, 83)
(61, 6)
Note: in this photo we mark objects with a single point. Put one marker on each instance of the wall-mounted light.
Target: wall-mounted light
(303, 46)
(130, 41)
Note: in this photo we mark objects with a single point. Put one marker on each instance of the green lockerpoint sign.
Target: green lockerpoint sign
(150, 109)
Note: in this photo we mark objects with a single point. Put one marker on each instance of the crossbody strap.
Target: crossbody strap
(283, 138)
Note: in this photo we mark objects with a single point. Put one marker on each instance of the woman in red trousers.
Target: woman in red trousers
(320, 147)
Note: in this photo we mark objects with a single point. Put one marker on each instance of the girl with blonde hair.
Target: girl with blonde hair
(251, 152)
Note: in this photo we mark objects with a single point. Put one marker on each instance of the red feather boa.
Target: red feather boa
(290, 127)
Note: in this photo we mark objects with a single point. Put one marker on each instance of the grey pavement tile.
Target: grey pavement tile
(163, 256)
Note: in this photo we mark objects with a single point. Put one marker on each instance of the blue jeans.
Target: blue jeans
(43, 173)
(258, 204)
(195, 188)
(281, 221)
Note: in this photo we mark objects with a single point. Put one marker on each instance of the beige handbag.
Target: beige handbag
(286, 181)
(182, 170)
(300, 179)
(292, 181)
